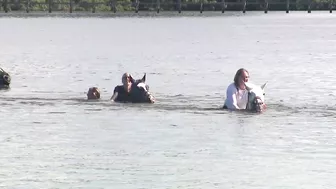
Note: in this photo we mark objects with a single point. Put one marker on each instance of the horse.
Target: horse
(5, 79)
(256, 97)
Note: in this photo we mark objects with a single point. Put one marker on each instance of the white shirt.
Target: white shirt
(236, 98)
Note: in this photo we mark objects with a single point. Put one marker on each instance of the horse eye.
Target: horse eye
(264, 94)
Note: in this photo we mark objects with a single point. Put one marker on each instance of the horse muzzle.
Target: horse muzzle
(259, 105)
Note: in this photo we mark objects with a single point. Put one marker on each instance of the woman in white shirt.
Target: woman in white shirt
(236, 93)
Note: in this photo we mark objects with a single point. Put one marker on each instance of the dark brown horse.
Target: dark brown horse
(5, 79)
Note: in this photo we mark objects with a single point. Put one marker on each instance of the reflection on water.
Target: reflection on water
(177, 103)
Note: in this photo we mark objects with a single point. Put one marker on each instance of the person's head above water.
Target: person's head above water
(93, 93)
(242, 76)
(127, 81)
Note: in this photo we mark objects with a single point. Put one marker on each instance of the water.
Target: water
(51, 137)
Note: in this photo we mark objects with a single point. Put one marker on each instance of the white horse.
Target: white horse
(256, 97)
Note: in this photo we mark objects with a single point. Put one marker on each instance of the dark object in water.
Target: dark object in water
(5, 79)
(139, 92)
(93, 93)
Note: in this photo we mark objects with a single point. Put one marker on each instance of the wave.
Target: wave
(175, 103)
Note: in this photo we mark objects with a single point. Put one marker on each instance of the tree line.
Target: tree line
(162, 5)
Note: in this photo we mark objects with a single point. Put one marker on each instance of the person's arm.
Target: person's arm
(231, 99)
(115, 94)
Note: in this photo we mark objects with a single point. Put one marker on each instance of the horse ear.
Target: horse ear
(144, 78)
(264, 85)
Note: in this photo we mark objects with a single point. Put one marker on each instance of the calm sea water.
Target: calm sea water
(51, 137)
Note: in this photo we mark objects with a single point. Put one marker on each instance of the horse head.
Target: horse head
(5, 79)
(140, 83)
(141, 90)
(256, 97)
(93, 93)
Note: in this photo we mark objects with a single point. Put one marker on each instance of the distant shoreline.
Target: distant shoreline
(21, 14)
